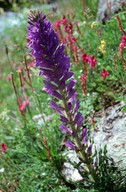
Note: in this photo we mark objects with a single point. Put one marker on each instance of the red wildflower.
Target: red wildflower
(85, 58)
(65, 30)
(64, 20)
(69, 28)
(91, 60)
(4, 148)
(73, 39)
(104, 73)
(58, 23)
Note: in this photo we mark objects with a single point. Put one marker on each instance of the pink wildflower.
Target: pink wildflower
(31, 64)
(123, 42)
(104, 73)
(22, 106)
(4, 148)
(20, 68)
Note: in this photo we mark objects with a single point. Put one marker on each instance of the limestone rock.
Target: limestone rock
(112, 132)
(70, 173)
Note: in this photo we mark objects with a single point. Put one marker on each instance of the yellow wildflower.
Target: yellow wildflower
(102, 47)
(103, 43)
(93, 25)
(103, 51)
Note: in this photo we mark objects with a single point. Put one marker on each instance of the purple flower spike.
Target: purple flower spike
(70, 145)
(54, 65)
(45, 47)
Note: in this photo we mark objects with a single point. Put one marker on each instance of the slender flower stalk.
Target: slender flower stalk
(14, 86)
(27, 69)
(59, 82)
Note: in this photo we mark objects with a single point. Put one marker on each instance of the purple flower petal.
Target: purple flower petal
(89, 149)
(84, 132)
(50, 85)
(67, 75)
(78, 116)
(72, 93)
(64, 119)
(85, 140)
(57, 107)
(72, 99)
(62, 85)
(80, 122)
(52, 92)
(71, 84)
(76, 106)
(70, 145)
(69, 106)
(64, 129)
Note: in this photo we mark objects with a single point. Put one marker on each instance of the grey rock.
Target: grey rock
(112, 132)
(106, 8)
(70, 173)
